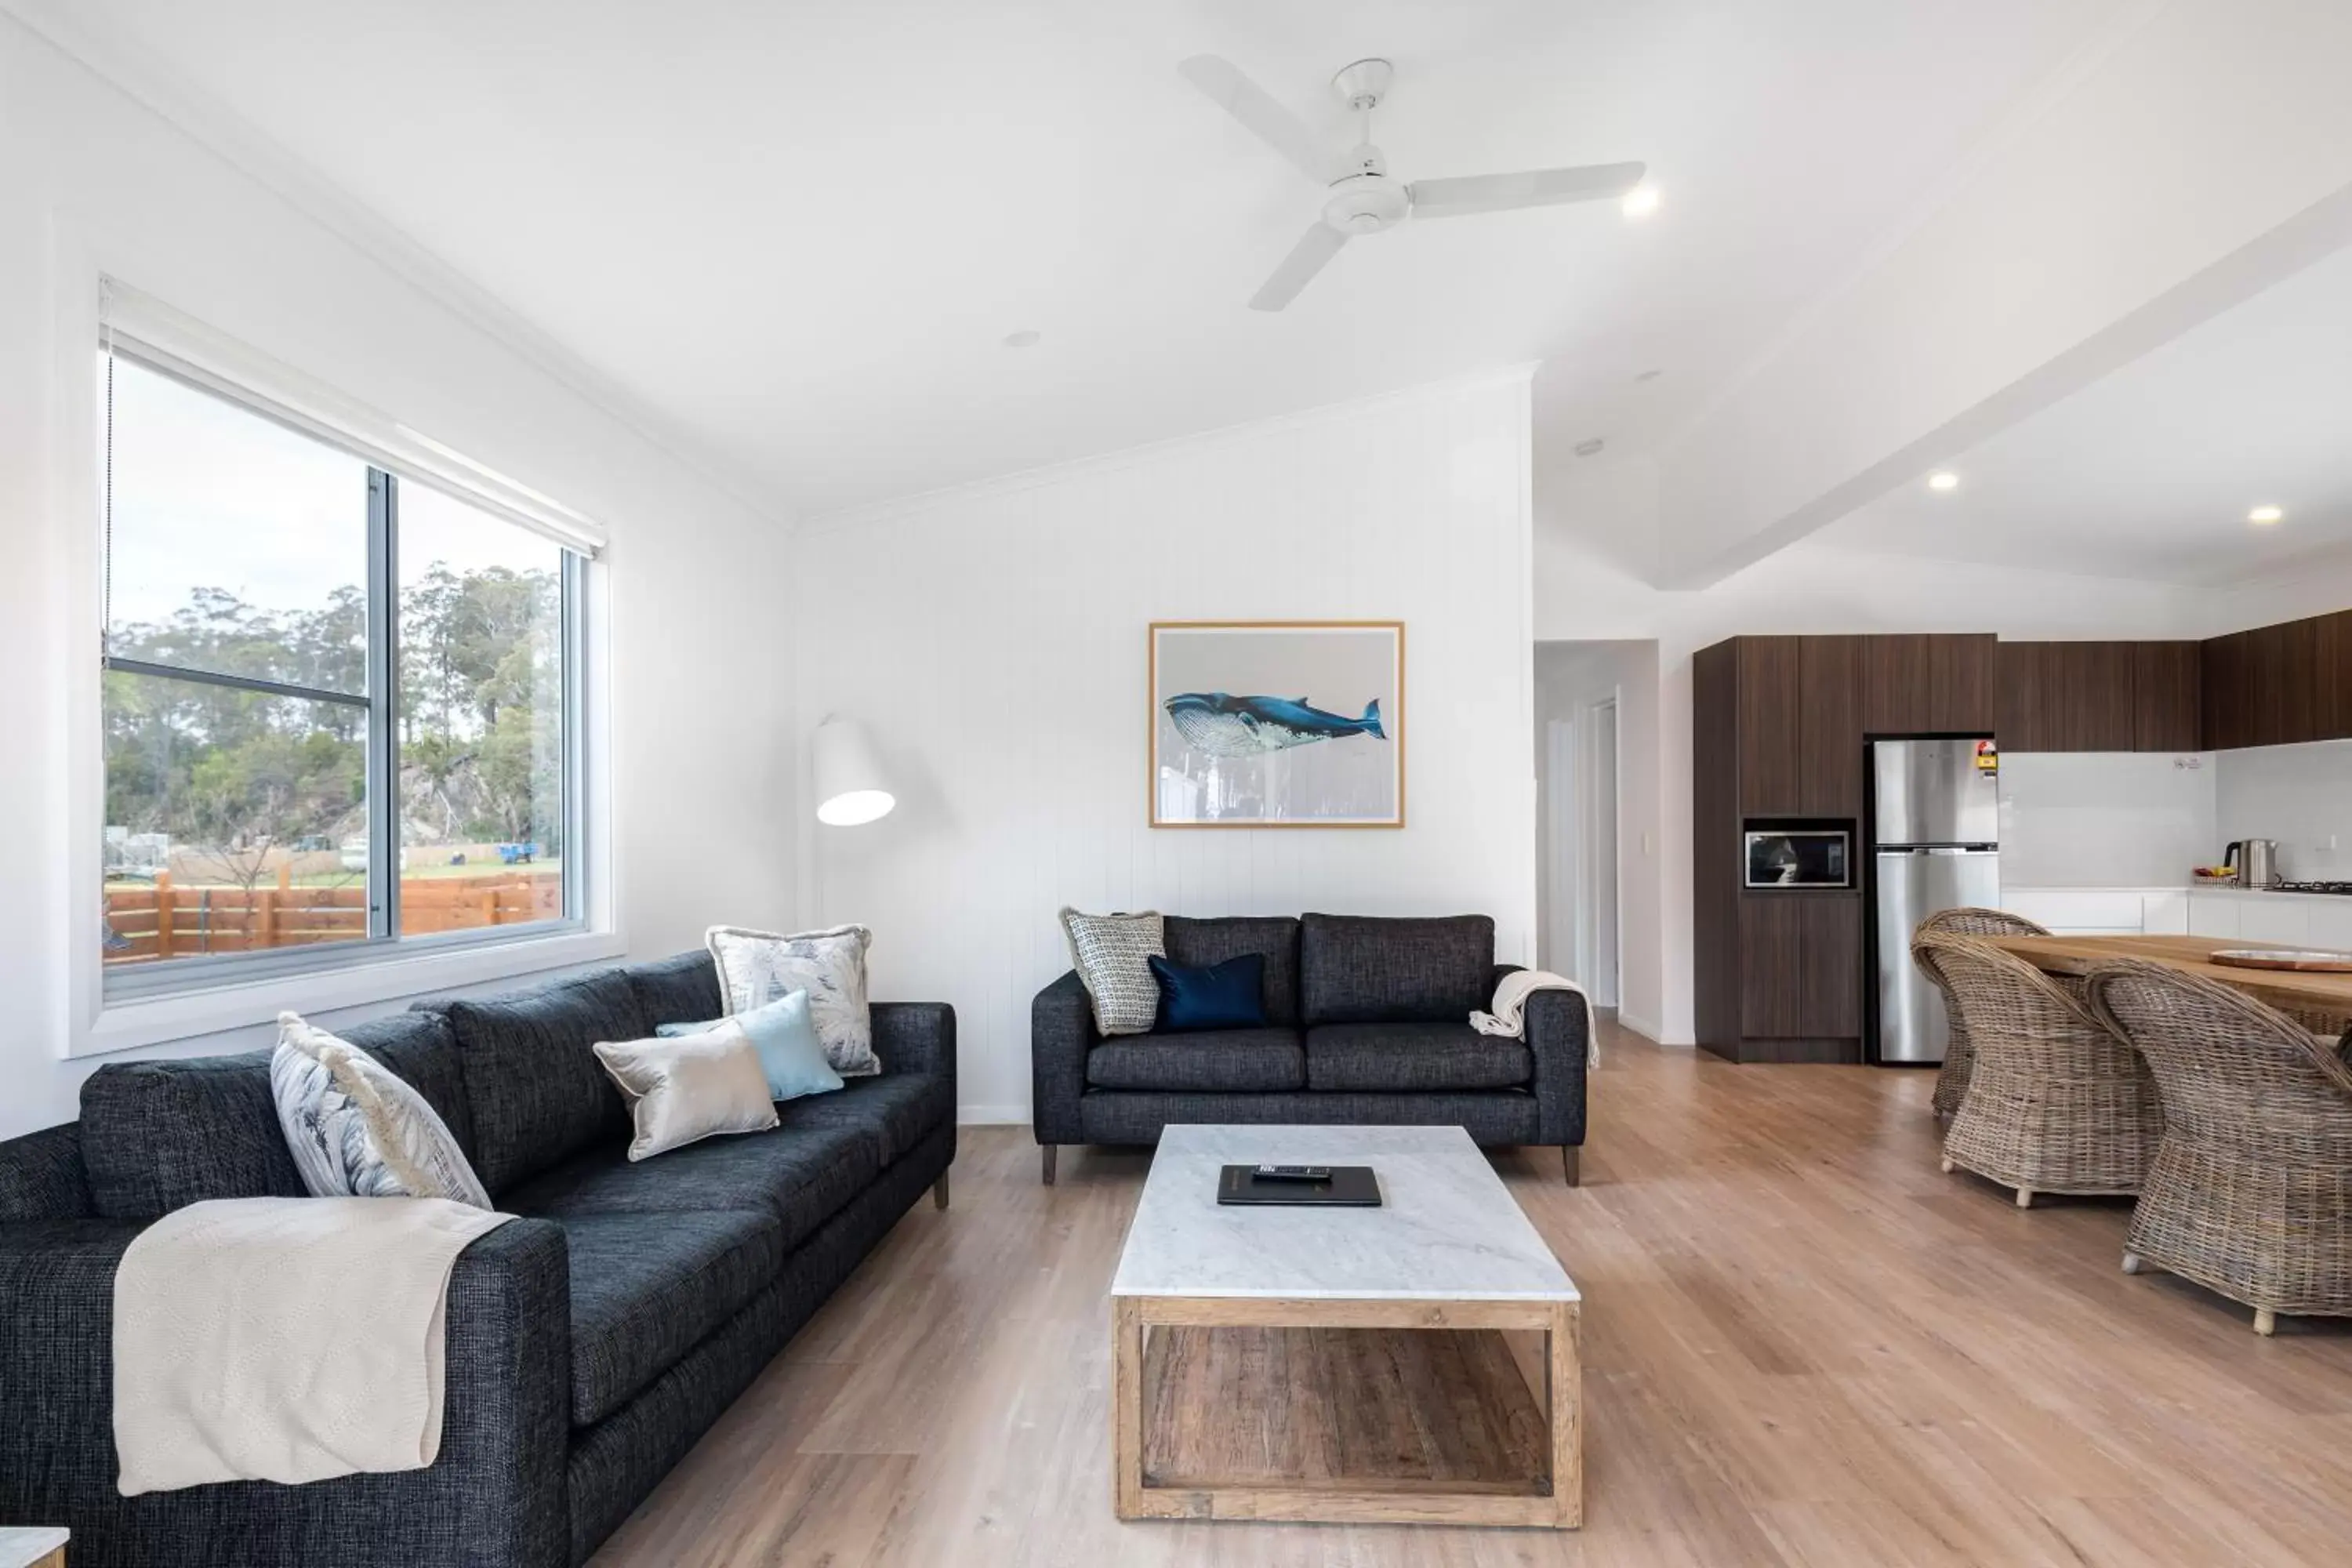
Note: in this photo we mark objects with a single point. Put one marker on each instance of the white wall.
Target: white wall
(993, 639)
(1570, 678)
(2107, 819)
(2300, 795)
(701, 778)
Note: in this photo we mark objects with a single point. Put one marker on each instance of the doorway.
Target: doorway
(1579, 843)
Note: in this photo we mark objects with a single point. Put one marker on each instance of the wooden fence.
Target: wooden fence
(169, 921)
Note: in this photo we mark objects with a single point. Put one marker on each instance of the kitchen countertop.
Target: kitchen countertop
(2207, 888)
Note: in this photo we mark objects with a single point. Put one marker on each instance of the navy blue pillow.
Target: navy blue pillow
(1228, 995)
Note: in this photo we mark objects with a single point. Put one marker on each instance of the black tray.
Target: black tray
(1351, 1188)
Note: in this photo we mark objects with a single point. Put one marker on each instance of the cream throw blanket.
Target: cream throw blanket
(1507, 1014)
(284, 1339)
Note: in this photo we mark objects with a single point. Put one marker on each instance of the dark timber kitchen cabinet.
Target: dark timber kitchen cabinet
(1927, 684)
(2097, 697)
(2279, 685)
(1777, 729)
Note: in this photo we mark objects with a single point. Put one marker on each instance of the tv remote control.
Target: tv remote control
(1293, 1173)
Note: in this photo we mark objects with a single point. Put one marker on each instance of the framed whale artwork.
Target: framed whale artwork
(1277, 724)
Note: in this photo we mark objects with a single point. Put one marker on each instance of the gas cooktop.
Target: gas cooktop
(2342, 888)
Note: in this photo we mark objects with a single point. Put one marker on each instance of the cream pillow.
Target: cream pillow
(355, 1129)
(690, 1086)
(1113, 954)
(757, 967)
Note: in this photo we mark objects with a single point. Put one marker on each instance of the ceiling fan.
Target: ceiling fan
(1363, 198)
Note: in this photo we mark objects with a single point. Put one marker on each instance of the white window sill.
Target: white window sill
(127, 1024)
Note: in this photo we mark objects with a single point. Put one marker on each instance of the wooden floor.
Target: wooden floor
(1802, 1345)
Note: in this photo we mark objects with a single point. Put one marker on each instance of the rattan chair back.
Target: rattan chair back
(2057, 1101)
(1952, 1081)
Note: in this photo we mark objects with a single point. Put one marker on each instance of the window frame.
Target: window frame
(129, 986)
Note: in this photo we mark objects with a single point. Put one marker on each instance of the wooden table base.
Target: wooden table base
(1347, 1411)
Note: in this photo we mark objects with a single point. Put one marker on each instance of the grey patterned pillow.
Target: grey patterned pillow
(1113, 956)
(757, 967)
(355, 1130)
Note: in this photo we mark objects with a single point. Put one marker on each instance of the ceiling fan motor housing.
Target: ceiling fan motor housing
(1366, 204)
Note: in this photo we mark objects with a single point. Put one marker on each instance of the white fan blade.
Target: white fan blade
(1223, 83)
(1532, 188)
(1314, 250)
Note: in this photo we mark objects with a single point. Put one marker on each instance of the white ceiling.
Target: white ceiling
(2150, 472)
(797, 233)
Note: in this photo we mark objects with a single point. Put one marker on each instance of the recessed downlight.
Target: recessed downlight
(2266, 515)
(1944, 481)
(1641, 201)
(1026, 337)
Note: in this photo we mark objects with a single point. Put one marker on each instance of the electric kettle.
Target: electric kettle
(2255, 860)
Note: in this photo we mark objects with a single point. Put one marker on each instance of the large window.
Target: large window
(341, 705)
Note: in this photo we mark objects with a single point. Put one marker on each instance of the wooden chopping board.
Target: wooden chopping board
(2301, 961)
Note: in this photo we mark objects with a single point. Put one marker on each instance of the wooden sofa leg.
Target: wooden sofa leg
(1049, 1162)
(1571, 1166)
(939, 1192)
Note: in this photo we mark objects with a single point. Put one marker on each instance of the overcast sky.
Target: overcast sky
(209, 494)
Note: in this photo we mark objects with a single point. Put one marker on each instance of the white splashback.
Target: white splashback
(2300, 795)
(2107, 819)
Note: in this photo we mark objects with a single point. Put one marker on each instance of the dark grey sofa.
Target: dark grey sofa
(590, 1343)
(1367, 1022)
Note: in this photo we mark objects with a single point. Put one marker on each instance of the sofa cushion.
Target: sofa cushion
(1199, 942)
(680, 989)
(648, 1287)
(539, 1095)
(802, 1175)
(157, 1136)
(1413, 1058)
(901, 1109)
(1214, 1061)
(41, 1176)
(1357, 970)
(423, 1054)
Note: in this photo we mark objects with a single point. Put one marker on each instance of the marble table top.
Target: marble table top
(1447, 1228)
(23, 1544)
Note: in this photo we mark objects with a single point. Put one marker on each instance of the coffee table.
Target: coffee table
(1414, 1363)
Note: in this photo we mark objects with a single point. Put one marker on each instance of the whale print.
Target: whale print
(1227, 726)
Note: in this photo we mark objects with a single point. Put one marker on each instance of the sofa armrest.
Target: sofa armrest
(916, 1036)
(495, 1495)
(1061, 1033)
(1558, 1033)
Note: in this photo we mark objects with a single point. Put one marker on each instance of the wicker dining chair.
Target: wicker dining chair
(1952, 1081)
(2057, 1101)
(2251, 1193)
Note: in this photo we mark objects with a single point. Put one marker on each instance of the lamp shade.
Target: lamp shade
(851, 787)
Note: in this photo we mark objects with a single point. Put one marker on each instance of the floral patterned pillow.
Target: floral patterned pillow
(757, 967)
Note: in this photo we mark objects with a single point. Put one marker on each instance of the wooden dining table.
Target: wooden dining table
(2301, 992)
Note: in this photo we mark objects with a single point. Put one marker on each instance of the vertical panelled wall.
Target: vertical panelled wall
(993, 638)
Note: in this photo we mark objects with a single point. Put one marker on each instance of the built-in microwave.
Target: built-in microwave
(1777, 858)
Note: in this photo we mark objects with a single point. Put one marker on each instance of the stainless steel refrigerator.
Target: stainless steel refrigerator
(1935, 839)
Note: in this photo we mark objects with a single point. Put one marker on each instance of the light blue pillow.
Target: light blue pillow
(790, 1053)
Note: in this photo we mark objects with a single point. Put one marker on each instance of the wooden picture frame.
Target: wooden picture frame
(1238, 738)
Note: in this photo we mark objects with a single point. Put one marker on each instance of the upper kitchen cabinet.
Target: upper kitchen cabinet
(2285, 675)
(2094, 696)
(2228, 697)
(1928, 684)
(1796, 735)
(2278, 685)
(2024, 716)
(1768, 714)
(2166, 679)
